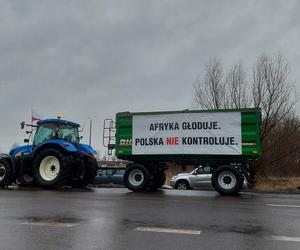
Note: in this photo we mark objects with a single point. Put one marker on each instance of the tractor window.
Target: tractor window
(43, 133)
(50, 131)
(69, 133)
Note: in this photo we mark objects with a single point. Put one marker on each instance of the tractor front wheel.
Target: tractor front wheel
(52, 168)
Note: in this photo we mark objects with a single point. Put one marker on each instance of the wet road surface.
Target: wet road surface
(115, 218)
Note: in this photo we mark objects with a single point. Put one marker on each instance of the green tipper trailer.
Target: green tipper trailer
(226, 140)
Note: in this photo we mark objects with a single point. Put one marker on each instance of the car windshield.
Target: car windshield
(50, 131)
(195, 170)
(202, 170)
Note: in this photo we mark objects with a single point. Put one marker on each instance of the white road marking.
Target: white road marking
(286, 238)
(51, 224)
(167, 230)
(282, 205)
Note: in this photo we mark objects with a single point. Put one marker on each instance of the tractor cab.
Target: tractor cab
(56, 129)
(48, 131)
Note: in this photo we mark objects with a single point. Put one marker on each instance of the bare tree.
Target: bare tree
(236, 87)
(272, 91)
(214, 92)
(210, 91)
(281, 150)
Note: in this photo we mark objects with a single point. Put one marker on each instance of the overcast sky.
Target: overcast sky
(95, 58)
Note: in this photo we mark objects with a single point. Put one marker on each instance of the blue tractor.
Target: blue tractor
(56, 158)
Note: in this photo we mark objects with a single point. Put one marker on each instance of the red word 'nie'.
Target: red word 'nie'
(172, 140)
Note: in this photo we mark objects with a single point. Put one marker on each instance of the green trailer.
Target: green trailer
(225, 139)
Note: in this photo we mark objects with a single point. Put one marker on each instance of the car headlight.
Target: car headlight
(174, 177)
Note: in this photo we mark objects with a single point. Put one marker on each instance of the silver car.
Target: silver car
(199, 178)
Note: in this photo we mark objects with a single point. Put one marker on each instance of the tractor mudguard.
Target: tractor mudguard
(84, 149)
(69, 147)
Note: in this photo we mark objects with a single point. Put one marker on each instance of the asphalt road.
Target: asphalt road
(107, 218)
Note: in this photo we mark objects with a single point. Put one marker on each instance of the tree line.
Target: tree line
(269, 88)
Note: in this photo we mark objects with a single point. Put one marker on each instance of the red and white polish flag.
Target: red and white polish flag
(35, 116)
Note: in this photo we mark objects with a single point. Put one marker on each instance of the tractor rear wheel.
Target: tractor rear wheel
(52, 168)
(6, 173)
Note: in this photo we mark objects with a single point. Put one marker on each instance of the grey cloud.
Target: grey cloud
(95, 58)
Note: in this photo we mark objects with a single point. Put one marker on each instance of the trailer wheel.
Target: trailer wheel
(6, 173)
(90, 172)
(227, 180)
(161, 179)
(158, 181)
(52, 168)
(136, 178)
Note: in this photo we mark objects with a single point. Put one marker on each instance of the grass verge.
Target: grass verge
(277, 184)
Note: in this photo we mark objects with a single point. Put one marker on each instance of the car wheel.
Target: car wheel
(182, 185)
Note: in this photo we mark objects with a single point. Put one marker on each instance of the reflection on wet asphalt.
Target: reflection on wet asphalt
(115, 218)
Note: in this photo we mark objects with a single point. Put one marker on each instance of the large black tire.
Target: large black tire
(136, 178)
(227, 180)
(90, 172)
(182, 185)
(52, 168)
(7, 175)
(158, 180)
(27, 180)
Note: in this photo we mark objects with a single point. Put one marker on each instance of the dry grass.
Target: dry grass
(276, 184)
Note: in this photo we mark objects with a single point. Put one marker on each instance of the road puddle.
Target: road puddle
(240, 229)
(52, 221)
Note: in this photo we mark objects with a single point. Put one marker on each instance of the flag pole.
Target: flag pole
(90, 138)
(31, 120)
